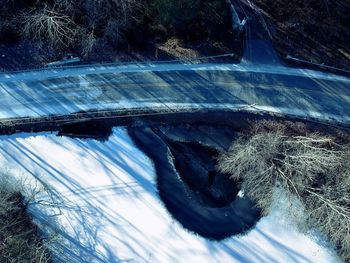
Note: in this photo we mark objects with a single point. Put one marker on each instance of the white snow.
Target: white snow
(241, 193)
(105, 207)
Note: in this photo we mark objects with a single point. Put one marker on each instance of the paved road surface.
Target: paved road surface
(269, 87)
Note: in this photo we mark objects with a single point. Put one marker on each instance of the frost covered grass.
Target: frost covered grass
(311, 167)
(19, 239)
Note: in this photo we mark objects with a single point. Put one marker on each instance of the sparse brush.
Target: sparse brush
(49, 26)
(19, 239)
(312, 167)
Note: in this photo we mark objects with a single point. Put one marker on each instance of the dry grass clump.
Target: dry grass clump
(313, 167)
(175, 48)
(19, 239)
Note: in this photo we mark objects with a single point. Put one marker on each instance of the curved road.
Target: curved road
(173, 86)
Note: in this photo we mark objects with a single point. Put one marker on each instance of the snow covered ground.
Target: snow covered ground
(104, 205)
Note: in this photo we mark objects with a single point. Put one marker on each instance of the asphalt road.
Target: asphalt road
(258, 86)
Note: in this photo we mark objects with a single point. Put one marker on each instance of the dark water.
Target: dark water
(184, 147)
(88, 129)
(196, 167)
(202, 199)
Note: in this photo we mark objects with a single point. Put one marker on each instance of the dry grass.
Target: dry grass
(19, 239)
(174, 48)
(315, 168)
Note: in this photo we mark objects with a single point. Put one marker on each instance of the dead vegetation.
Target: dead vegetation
(19, 239)
(116, 29)
(313, 30)
(49, 26)
(174, 48)
(313, 167)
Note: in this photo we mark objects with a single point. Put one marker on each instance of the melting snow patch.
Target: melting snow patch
(240, 194)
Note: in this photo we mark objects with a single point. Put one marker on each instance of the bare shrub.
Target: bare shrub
(312, 167)
(69, 7)
(328, 209)
(87, 41)
(18, 235)
(111, 18)
(49, 26)
(269, 157)
(285, 127)
(114, 32)
(101, 11)
(328, 206)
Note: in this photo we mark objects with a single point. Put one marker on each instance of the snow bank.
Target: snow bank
(104, 205)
